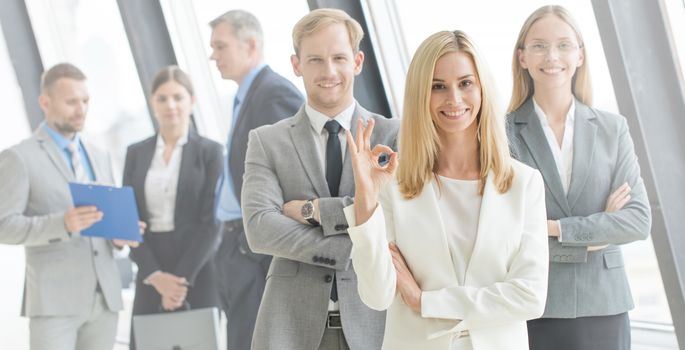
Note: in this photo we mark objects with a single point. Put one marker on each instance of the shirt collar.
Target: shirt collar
(570, 115)
(244, 86)
(61, 141)
(182, 141)
(318, 119)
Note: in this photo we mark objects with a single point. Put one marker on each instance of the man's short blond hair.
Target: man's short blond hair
(321, 18)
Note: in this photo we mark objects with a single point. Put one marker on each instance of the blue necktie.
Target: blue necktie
(236, 103)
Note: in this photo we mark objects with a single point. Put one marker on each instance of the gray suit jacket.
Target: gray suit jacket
(62, 269)
(282, 165)
(583, 283)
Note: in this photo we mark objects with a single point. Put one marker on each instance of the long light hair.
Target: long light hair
(419, 139)
(523, 87)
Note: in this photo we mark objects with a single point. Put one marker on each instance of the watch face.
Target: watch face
(307, 210)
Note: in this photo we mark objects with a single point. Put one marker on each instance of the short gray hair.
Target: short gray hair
(245, 26)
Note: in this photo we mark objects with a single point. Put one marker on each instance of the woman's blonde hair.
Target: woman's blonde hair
(523, 87)
(419, 140)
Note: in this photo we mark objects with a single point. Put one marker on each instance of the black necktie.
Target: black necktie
(333, 157)
(333, 172)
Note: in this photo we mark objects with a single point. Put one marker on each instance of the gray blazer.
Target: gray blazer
(282, 165)
(62, 269)
(583, 283)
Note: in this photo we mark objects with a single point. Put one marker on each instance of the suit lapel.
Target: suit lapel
(142, 166)
(305, 146)
(347, 180)
(189, 157)
(54, 154)
(491, 223)
(583, 151)
(422, 223)
(242, 122)
(534, 138)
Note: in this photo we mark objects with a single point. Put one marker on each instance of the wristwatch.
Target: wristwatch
(308, 212)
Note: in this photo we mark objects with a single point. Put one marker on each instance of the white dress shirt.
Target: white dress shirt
(317, 120)
(160, 186)
(563, 156)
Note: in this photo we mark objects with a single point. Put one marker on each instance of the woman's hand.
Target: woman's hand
(615, 202)
(618, 198)
(170, 286)
(369, 174)
(171, 304)
(406, 284)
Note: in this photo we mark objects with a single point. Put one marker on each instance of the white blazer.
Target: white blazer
(506, 278)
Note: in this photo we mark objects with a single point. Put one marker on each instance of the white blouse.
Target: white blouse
(563, 155)
(459, 204)
(160, 186)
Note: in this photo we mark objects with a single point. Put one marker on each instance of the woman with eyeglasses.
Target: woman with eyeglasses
(595, 197)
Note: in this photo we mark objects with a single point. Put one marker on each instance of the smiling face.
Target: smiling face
(65, 105)
(172, 104)
(554, 67)
(328, 64)
(455, 95)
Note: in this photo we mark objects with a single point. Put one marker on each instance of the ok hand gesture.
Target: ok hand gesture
(369, 174)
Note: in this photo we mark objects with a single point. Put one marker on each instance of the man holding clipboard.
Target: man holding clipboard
(72, 289)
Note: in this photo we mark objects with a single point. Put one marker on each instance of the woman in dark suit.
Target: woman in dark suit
(174, 174)
(595, 198)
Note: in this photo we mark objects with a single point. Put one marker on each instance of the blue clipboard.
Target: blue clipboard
(118, 204)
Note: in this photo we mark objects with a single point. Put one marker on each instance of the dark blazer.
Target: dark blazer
(271, 98)
(583, 283)
(186, 252)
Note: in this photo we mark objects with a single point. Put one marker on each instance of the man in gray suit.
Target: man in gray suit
(263, 97)
(72, 288)
(298, 178)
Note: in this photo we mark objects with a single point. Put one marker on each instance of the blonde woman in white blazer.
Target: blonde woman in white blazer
(454, 245)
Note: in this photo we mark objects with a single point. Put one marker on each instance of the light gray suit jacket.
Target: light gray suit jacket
(282, 164)
(62, 269)
(583, 283)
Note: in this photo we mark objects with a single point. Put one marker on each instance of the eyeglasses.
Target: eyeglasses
(540, 48)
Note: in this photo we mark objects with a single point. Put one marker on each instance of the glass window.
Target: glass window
(675, 11)
(495, 33)
(91, 35)
(15, 127)
(277, 19)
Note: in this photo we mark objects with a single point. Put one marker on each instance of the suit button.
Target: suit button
(95, 253)
(332, 262)
(315, 259)
(328, 278)
(341, 227)
(326, 261)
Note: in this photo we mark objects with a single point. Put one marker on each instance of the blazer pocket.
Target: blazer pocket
(283, 268)
(613, 259)
(46, 252)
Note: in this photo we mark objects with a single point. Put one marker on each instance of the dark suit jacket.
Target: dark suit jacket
(271, 98)
(187, 251)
